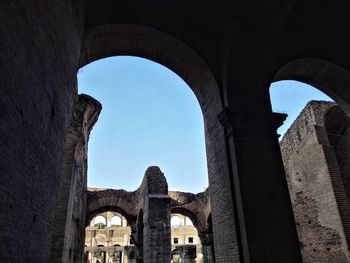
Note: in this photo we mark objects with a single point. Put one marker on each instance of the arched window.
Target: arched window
(176, 221)
(188, 221)
(100, 222)
(116, 221)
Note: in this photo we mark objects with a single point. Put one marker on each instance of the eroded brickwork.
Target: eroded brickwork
(316, 188)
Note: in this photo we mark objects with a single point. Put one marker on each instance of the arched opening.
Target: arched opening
(152, 124)
(183, 232)
(100, 222)
(116, 221)
(309, 155)
(133, 40)
(107, 244)
(176, 221)
(337, 125)
(149, 117)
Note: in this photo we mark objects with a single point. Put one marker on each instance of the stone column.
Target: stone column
(207, 252)
(187, 253)
(156, 229)
(130, 252)
(263, 207)
(207, 246)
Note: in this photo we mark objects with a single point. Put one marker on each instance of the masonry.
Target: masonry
(147, 210)
(228, 52)
(316, 163)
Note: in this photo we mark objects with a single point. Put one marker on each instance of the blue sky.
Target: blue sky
(291, 97)
(151, 117)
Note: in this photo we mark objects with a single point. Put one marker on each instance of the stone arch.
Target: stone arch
(136, 40)
(337, 125)
(328, 77)
(188, 213)
(111, 200)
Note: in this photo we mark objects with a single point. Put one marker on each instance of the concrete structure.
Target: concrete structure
(229, 52)
(316, 159)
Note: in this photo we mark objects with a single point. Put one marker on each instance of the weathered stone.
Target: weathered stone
(229, 63)
(320, 204)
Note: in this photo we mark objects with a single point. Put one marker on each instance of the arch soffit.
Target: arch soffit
(110, 200)
(136, 40)
(328, 77)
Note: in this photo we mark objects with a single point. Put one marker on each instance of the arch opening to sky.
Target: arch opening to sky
(149, 117)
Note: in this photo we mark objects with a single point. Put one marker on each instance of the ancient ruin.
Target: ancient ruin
(228, 52)
(147, 211)
(107, 239)
(316, 159)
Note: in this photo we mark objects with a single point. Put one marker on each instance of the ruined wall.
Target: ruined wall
(315, 187)
(85, 114)
(71, 199)
(337, 124)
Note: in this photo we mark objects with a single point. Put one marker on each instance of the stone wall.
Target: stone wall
(70, 209)
(40, 43)
(147, 211)
(315, 187)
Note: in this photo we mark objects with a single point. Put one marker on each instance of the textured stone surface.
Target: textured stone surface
(321, 207)
(148, 211)
(71, 201)
(228, 52)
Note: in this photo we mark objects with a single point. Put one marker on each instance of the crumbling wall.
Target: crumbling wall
(69, 226)
(315, 187)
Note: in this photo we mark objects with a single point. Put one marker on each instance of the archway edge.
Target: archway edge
(141, 41)
(129, 218)
(200, 227)
(328, 77)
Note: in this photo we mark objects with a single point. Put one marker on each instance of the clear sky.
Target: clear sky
(151, 117)
(291, 97)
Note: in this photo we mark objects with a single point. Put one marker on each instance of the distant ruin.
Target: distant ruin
(147, 211)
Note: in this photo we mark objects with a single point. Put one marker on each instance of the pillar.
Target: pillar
(156, 229)
(187, 253)
(207, 252)
(207, 246)
(266, 226)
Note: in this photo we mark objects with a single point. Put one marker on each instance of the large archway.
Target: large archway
(310, 161)
(135, 40)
